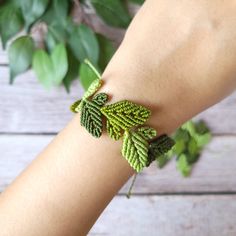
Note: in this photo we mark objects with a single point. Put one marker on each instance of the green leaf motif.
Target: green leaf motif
(11, 22)
(51, 69)
(96, 84)
(20, 55)
(84, 44)
(147, 132)
(124, 115)
(75, 105)
(32, 10)
(93, 88)
(91, 117)
(112, 12)
(135, 150)
(160, 146)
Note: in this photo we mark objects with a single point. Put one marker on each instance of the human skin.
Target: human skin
(177, 58)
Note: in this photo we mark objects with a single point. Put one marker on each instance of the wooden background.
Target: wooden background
(163, 203)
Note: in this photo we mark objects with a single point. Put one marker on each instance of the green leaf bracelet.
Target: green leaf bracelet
(124, 119)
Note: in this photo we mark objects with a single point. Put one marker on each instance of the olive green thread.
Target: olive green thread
(159, 147)
(122, 116)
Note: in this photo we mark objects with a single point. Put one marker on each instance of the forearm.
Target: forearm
(66, 188)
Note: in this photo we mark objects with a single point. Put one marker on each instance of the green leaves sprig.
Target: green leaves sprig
(72, 42)
(190, 139)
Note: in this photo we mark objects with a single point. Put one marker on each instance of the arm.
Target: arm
(176, 59)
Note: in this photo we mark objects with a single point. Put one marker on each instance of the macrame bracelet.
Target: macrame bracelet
(125, 120)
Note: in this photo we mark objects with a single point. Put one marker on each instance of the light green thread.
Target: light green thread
(147, 132)
(135, 150)
(86, 61)
(92, 89)
(74, 106)
(91, 116)
(124, 115)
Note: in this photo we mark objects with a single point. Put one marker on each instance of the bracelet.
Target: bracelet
(124, 119)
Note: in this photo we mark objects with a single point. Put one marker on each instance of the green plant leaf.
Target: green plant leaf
(203, 139)
(106, 51)
(122, 116)
(20, 55)
(11, 22)
(60, 63)
(179, 146)
(140, 2)
(72, 73)
(84, 44)
(135, 150)
(86, 75)
(183, 166)
(51, 70)
(61, 9)
(32, 10)
(192, 147)
(112, 12)
(91, 116)
(162, 161)
(56, 34)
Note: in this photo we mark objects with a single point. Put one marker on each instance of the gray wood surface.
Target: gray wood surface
(169, 216)
(215, 172)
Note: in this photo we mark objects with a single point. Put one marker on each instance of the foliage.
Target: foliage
(190, 139)
(66, 43)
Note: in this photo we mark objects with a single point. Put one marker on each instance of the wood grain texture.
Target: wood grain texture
(169, 216)
(26, 107)
(215, 172)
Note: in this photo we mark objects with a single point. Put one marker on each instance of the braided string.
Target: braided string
(125, 119)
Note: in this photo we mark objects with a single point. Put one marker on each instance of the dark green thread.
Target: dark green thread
(159, 147)
(91, 116)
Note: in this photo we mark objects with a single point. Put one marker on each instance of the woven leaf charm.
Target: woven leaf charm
(124, 115)
(135, 150)
(74, 106)
(147, 132)
(160, 146)
(93, 88)
(91, 116)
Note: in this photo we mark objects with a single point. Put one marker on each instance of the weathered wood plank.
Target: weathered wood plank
(51, 111)
(215, 172)
(169, 216)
